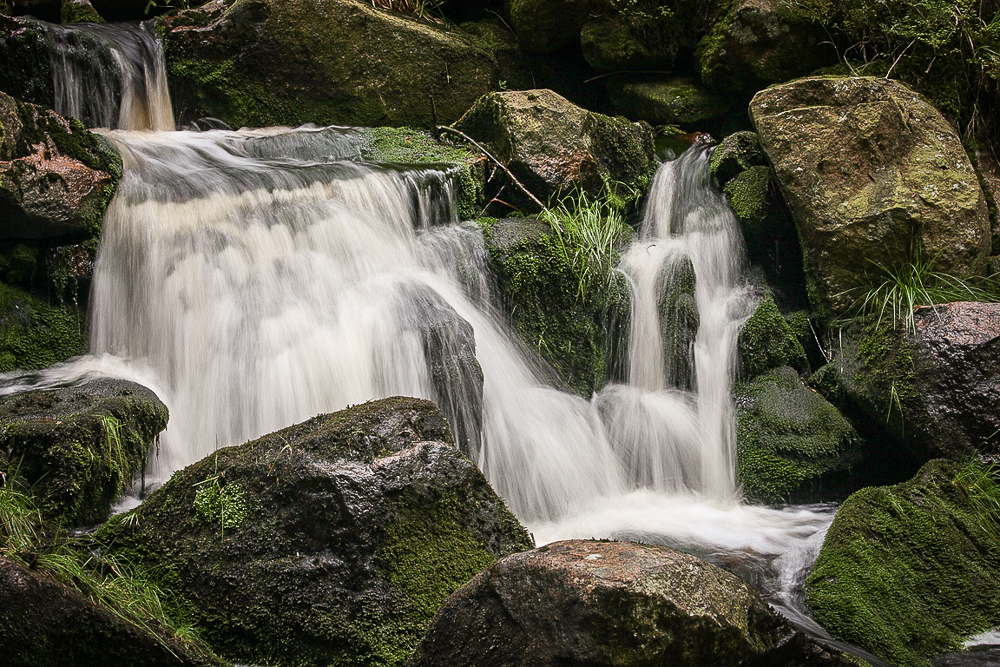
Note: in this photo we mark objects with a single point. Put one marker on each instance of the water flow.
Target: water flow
(110, 75)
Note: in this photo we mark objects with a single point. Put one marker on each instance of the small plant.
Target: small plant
(225, 506)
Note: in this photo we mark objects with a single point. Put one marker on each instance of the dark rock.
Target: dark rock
(760, 42)
(674, 101)
(47, 10)
(956, 358)
(333, 541)
(610, 45)
(911, 570)
(543, 26)
(80, 447)
(679, 320)
(792, 445)
(25, 68)
(610, 603)
(342, 62)
(43, 623)
(56, 178)
(871, 173)
(553, 146)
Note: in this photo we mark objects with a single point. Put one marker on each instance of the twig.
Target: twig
(463, 135)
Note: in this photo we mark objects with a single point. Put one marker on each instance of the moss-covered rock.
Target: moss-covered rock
(331, 542)
(34, 334)
(760, 42)
(600, 604)
(908, 571)
(791, 444)
(56, 178)
(80, 447)
(735, 154)
(543, 26)
(873, 175)
(767, 341)
(74, 11)
(539, 288)
(672, 101)
(342, 62)
(679, 320)
(553, 146)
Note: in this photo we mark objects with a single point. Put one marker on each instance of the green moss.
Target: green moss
(790, 441)
(35, 335)
(74, 11)
(749, 195)
(886, 381)
(767, 341)
(909, 571)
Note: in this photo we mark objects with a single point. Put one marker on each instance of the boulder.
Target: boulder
(592, 603)
(543, 26)
(792, 445)
(330, 62)
(911, 570)
(56, 178)
(75, 11)
(873, 175)
(46, 623)
(679, 321)
(767, 341)
(673, 101)
(329, 542)
(25, 69)
(956, 360)
(553, 146)
(79, 448)
(760, 42)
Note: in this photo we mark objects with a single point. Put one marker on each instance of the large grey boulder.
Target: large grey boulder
(332, 541)
(340, 62)
(80, 447)
(553, 146)
(592, 603)
(872, 174)
(56, 178)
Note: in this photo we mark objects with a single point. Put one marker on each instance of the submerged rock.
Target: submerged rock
(792, 445)
(611, 603)
(553, 146)
(56, 178)
(343, 62)
(909, 571)
(45, 623)
(331, 542)
(874, 176)
(80, 447)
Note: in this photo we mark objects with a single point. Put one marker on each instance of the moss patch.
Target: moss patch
(35, 335)
(909, 571)
(767, 341)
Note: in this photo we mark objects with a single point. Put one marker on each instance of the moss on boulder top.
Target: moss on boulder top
(605, 604)
(911, 570)
(344, 62)
(79, 447)
(330, 542)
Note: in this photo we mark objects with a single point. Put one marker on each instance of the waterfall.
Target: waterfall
(109, 75)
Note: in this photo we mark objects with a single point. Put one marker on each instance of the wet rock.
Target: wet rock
(543, 26)
(80, 447)
(34, 334)
(343, 62)
(610, 603)
(25, 69)
(679, 320)
(674, 101)
(767, 341)
(792, 445)
(332, 541)
(56, 178)
(760, 42)
(910, 570)
(871, 173)
(45, 623)
(553, 146)
(956, 358)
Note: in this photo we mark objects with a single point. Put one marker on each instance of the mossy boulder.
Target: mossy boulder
(768, 341)
(873, 175)
(56, 178)
(340, 62)
(330, 542)
(539, 289)
(554, 147)
(34, 334)
(75, 11)
(792, 445)
(44, 623)
(679, 321)
(911, 570)
(599, 604)
(609, 45)
(760, 42)
(79, 448)
(543, 26)
(672, 101)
